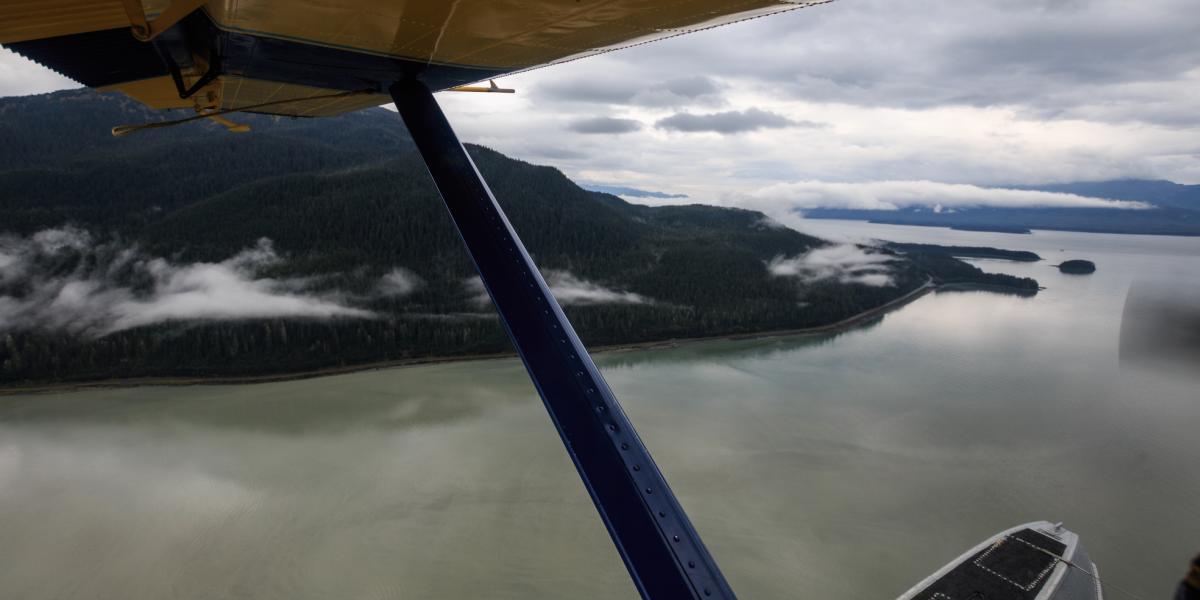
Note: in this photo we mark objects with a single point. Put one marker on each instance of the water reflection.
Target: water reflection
(1160, 326)
(733, 347)
(900, 444)
(430, 395)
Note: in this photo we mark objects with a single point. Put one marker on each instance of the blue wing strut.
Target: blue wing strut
(660, 548)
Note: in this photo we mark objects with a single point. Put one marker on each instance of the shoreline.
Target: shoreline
(839, 326)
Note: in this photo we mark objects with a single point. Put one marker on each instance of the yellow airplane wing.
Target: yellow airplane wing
(326, 57)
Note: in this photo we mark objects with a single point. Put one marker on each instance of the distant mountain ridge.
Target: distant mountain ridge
(621, 190)
(1176, 211)
(1162, 193)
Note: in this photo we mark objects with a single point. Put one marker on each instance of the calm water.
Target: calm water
(841, 467)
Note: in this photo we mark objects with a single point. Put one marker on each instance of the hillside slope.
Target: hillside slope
(315, 244)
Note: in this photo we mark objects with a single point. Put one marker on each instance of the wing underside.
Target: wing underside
(233, 54)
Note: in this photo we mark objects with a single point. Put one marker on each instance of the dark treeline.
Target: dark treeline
(345, 201)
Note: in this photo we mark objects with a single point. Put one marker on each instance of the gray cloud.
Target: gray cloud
(476, 290)
(557, 153)
(623, 190)
(399, 282)
(845, 263)
(20, 76)
(590, 90)
(732, 121)
(1031, 54)
(697, 90)
(64, 279)
(602, 125)
(969, 91)
(568, 289)
(692, 87)
(662, 92)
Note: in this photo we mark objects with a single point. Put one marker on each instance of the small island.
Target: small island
(1077, 267)
(992, 228)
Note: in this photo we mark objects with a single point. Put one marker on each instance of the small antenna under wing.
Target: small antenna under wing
(490, 88)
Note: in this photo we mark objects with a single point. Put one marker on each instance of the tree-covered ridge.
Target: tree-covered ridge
(967, 251)
(346, 204)
(60, 162)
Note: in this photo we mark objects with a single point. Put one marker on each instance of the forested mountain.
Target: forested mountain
(308, 244)
(60, 162)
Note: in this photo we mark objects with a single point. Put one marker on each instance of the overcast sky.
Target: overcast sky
(873, 92)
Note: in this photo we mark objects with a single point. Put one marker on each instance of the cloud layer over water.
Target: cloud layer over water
(895, 195)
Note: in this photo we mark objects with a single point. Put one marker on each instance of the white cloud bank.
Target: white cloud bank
(896, 195)
(399, 282)
(845, 263)
(111, 288)
(568, 289)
